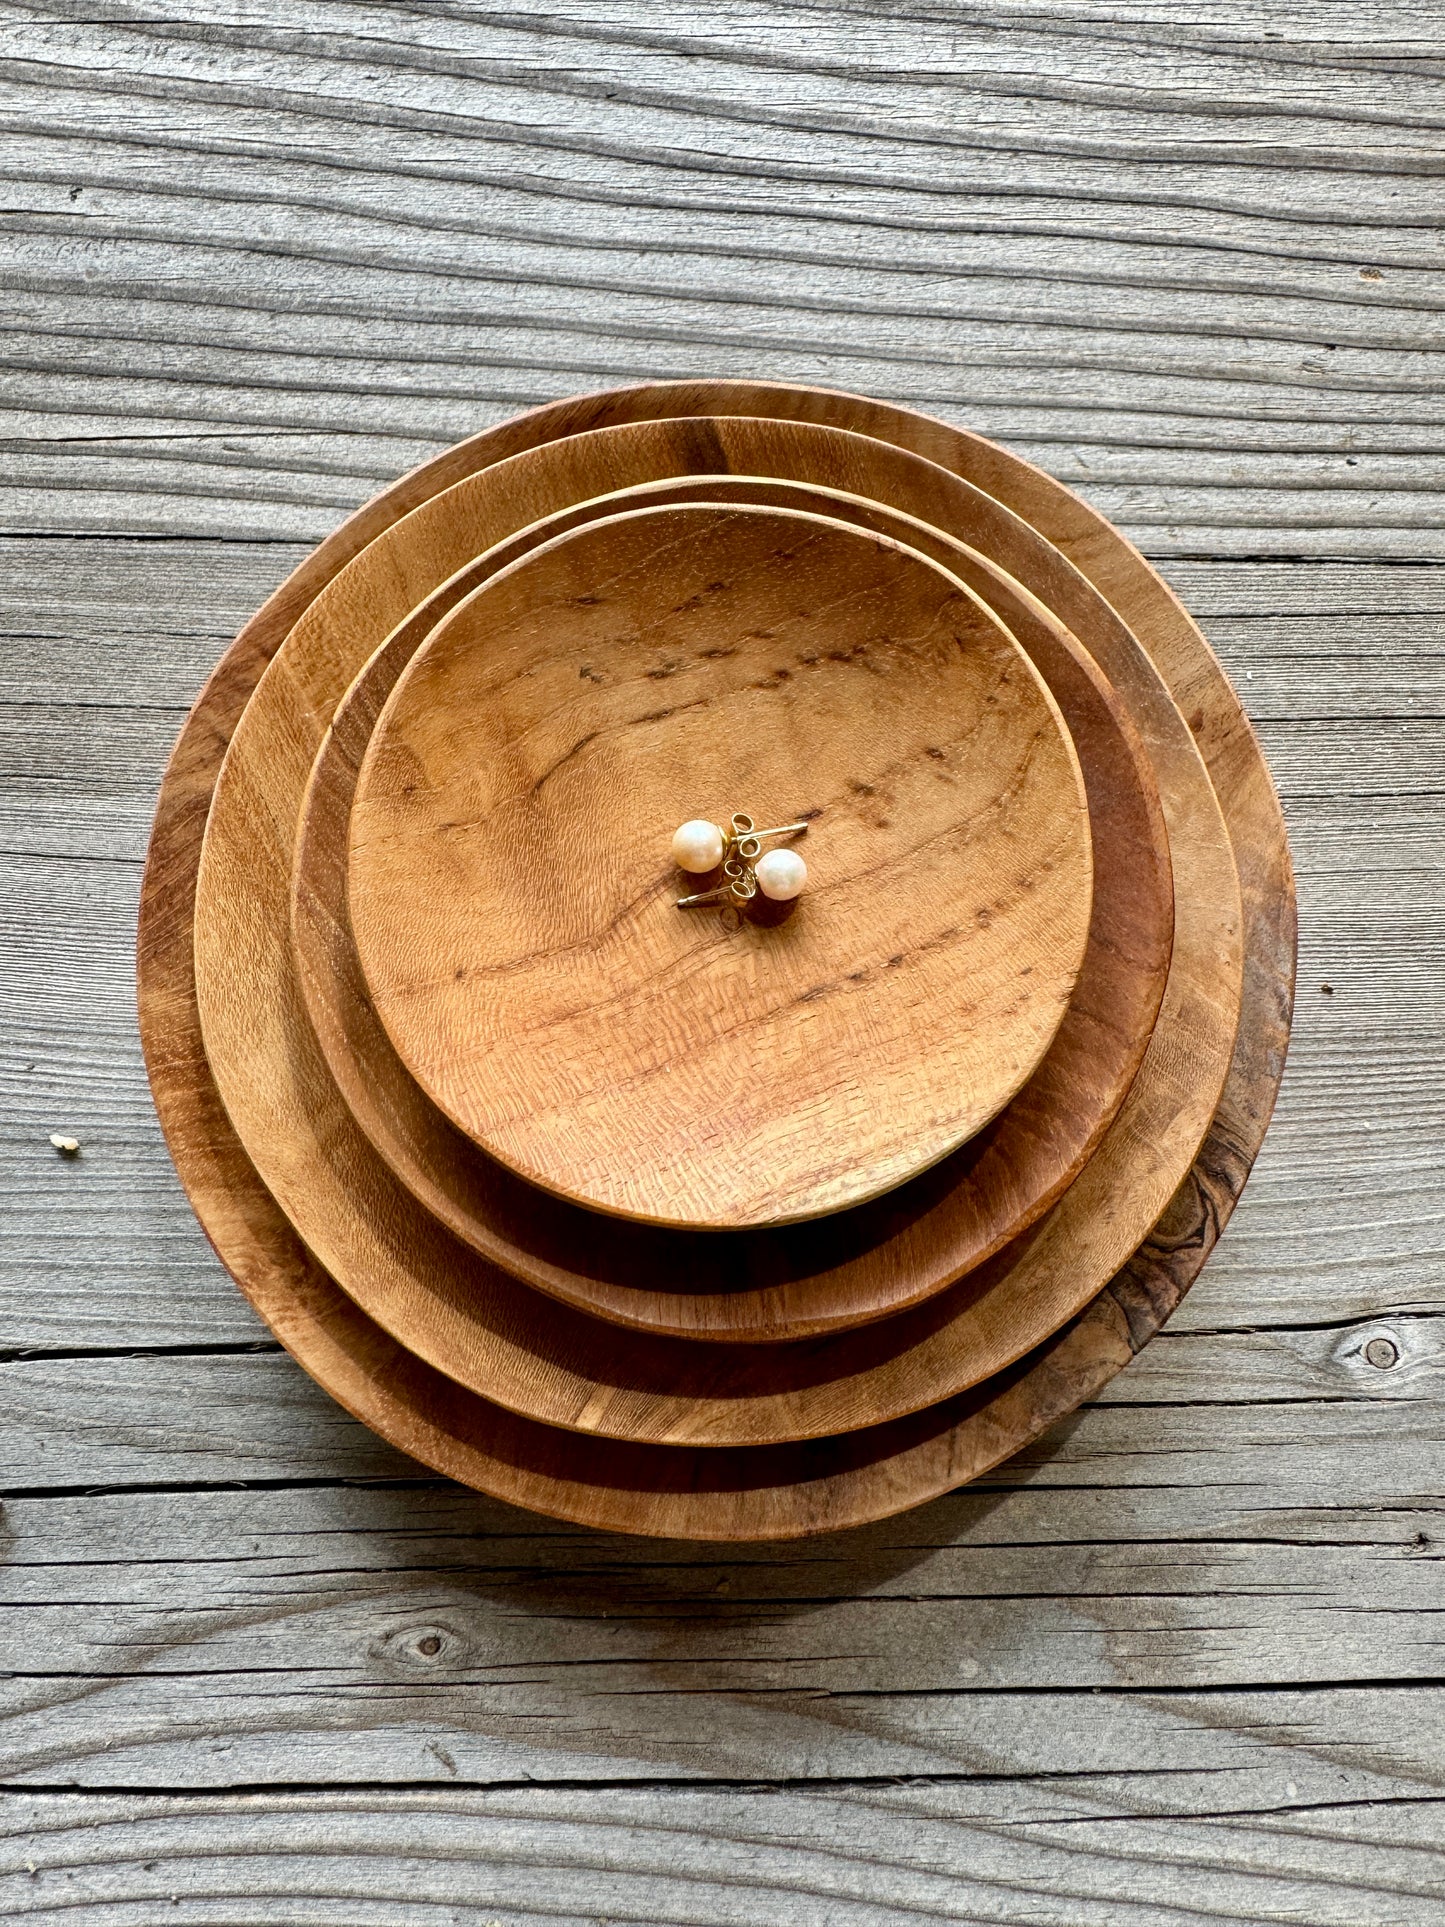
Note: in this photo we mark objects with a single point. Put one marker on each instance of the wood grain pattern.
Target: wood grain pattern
(1040, 1850)
(474, 1324)
(858, 1266)
(513, 900)
(436, 1326)
(1202, 289)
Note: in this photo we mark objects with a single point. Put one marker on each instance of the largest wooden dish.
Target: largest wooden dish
(480, 1327)
(710, 1495)
(856, 1266)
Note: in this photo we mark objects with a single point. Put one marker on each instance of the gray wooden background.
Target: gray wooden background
(1180, 1663)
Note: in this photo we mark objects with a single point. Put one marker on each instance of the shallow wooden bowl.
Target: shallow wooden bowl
(514, 903)
(711, 1495)
(476, 1324)
(858, 1265)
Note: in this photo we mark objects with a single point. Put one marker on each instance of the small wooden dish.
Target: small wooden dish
(856, 1266)
(514, 903)
(476, 1324)
(750, 1496)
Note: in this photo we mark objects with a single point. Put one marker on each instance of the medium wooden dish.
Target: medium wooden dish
(473, 1323)
(768, 1497)
(514, 903)
(856, 1266)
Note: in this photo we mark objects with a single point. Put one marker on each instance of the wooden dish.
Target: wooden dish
(514, 902)
(770, 1496)
(856, 1266)
(481, 1328)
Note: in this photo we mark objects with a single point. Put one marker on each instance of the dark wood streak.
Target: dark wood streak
(1149, 1288)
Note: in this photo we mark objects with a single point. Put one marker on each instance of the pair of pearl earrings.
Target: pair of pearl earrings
(699, 847)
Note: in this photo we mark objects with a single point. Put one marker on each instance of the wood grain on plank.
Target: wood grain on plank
(363, 1620)
(1033, 1852)
(1211, 275)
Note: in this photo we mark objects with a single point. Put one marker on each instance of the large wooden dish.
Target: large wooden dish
(513, 899)
(471, 1322)
(859, 1265)
(429, 1416)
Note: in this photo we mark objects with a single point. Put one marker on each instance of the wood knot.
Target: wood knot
(423, 1647)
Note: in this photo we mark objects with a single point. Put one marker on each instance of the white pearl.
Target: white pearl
(781, 874)
(698, 846)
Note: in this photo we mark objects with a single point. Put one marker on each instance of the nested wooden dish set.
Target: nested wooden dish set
(660, 1220)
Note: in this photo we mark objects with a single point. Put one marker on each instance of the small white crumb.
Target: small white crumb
(69, 1145)
(1249, 675)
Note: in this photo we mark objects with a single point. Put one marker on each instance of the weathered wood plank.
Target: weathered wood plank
(109, 621)
(1218, 589)
(341, 1631)
(102, 622)
(1043, 1853)
(736, 62)
(1210, 267)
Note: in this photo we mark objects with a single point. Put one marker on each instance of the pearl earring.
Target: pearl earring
(699, 846)
(781, 874)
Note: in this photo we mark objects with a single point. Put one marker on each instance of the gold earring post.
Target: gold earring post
(741, 887)
(744, 840)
